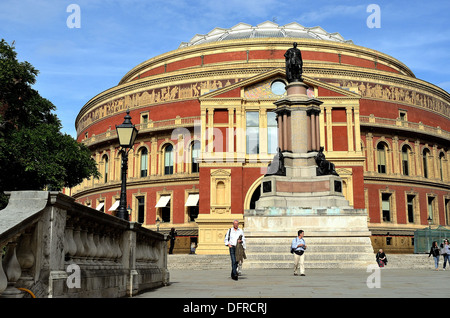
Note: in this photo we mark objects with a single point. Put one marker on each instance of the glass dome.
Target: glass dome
(264, 30)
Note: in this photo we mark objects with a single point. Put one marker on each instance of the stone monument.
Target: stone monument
(302, 190)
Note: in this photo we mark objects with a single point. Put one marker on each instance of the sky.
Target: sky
(84, 47)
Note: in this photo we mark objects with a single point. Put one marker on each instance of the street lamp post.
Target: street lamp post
(127, 133)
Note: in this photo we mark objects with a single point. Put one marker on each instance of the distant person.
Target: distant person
(381, 258)
(435, 251)
(445, 251)
(232, 239)
(298, 248)
(193, 247)
(172, 237)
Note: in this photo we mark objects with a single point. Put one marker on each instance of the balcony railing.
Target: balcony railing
(404, 125)
(150, 126)
(55, 247)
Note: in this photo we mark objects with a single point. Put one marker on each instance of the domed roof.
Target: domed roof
(267, 29)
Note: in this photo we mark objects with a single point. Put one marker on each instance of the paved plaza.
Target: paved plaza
(318, 283)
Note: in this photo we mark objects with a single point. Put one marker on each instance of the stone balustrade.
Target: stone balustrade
(54, 247)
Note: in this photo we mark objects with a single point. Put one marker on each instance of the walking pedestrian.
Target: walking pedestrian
(435, 251)
(172, 237)
(381, 258)
(232, 239)
(298, 247)
(445, 251)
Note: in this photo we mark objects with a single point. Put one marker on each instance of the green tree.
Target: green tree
(34, 154)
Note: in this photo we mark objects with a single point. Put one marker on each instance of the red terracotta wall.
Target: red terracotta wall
(340, 142)
(232, 93)
(339, 115)
(154, 71)
(320, 56)
(220, 116)
(345, 59)
(205, 186)
(327, 92)
(174, 66)
(266, 54)
(358, 190)
(400, 199)
(263, 54)
(390, 110)
(223, 57)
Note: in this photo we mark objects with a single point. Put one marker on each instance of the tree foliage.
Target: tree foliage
(34, 154)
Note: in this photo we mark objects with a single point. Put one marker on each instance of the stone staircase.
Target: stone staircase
(322, 252)
(198, 262)
(320, 258)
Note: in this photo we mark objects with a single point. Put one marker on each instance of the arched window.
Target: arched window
(252, 131)
(405, 160)
(105, 167)
(425, 156)
(144, 162)
(272, 132)
(441, 165)
(381, 157)
(195, 153)
(168, 160)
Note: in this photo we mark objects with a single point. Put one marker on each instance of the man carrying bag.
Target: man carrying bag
(298, 247)
(234, 237)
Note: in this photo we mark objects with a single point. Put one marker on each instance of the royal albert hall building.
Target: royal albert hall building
(207, 132)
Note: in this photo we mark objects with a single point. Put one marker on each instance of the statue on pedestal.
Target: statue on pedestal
(276, 167)
(324, 167)
(294, 64)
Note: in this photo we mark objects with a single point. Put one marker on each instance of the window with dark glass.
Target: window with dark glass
(381, 153)
(405, 160)
(144, 162)
(141, 210)
(447, 211)
(430, 208)
(168, 160)
(163, 208)
(386, 206)
(106, 167)
(410, 206)
(425, 162)
(195, 153)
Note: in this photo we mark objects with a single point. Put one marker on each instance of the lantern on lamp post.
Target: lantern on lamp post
(127, 133)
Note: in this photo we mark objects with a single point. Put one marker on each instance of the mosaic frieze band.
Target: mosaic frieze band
(153, 96)
(392, 93)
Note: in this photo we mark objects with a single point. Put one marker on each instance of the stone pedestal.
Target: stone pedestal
(302, 198)
(301, 186)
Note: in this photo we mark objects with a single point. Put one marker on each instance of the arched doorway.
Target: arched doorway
(255, 197)
(253, 194)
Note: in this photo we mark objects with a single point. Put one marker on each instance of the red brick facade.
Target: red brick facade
(369, 98)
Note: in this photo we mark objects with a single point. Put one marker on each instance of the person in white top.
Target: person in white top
(231, 240)
(298, 248)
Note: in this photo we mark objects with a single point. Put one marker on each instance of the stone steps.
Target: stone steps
(322, 252)
(198, 262)
(285, 260)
